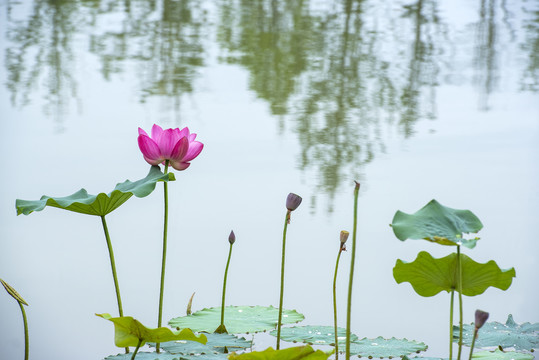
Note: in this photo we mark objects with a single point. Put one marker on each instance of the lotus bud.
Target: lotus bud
(232, 238)
(344, 236)
(480, 318)
(293, 201)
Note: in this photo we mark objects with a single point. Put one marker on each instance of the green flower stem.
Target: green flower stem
(113, 267)
(26, 342)
(473, 343)
(459, 270)
(352, 261)
(451, 325)
(335, 304)
(136, 349)
(163, 262)
(222, 329)
(286, 221)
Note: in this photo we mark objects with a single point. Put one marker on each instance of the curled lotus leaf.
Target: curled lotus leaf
(313, 335)
(293, 353)
(509, 335)
(429, 276)
(166, 356)
(437, 223)
(382, 348)
(217, 344)
(11, 291)
(130, 332)
(100, 204)
(238, 319)
(502, 355)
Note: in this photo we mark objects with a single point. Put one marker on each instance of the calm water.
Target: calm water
(414, 99)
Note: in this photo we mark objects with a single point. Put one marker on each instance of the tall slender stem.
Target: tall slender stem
(113, 267)
(164, 259)
(459, 270)
(352, 261)
(26, 342)
(136, 349)
(473, 343)
(287, 219)
(335, 305)
(451, 324)
(222, 329)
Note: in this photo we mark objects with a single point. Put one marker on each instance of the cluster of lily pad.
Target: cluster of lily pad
(219, 332)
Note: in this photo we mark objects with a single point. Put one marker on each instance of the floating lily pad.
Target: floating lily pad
(238, 319)
(313, 335)
(502, 355)
(429, 276)
(437, 223)
(100, 204)
(216, 344)
(144, 356)
(293, 353)
(130, 332)
(381, 348)
(509, 335)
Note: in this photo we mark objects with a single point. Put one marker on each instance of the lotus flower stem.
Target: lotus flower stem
(113, 267)
(451, 324)
(335, 302)
(459, 270)
(473, 343)
(136, 349)
(287, 219)
(352, 262)
(222, 329)
(164, 259)
(26, 341)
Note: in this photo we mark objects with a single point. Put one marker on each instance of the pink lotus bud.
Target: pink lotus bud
(480, 318)
(293, 201)
(232, 238)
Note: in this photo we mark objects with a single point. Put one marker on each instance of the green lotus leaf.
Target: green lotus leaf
(293, 353)
(381, 348)
(130, 332)
(100, 204)
(502, 355)
(429, 276)
(509, 335)
(238, 319)
(216, 345)
(145, 356)
(313, 335)
(437, 223)
(167, 356)
(11, 291)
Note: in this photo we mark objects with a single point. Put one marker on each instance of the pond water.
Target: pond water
(414, 99)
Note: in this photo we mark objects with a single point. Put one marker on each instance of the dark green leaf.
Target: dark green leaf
(216, 344)
(437, 223)
(100, 204)
(502, 355)
(293, 353)
(509, 335)
(313, 335)
(381, 348)
(238, 319)
(429, 276)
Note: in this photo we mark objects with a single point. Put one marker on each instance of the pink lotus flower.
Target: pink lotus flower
(177, 146)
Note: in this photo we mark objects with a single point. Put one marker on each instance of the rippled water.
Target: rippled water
(414, 99)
